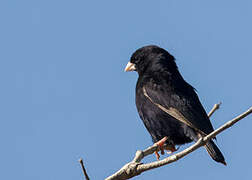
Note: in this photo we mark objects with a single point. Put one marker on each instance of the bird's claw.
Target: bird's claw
(160, 144)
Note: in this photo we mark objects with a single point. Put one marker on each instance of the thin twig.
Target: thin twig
(83, 169)
(215, 107)
(135, 168)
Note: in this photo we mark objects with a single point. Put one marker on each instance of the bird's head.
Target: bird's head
(149, 59)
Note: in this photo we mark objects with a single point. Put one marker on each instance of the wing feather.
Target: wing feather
(184, 107)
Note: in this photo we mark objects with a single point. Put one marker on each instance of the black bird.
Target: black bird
(167, 104)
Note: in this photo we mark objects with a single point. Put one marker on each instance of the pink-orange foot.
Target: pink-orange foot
(161, 143)
(170, 149)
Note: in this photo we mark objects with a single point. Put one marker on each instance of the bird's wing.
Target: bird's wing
(184, 107)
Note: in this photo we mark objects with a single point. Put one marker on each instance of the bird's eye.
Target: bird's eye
(136, 60)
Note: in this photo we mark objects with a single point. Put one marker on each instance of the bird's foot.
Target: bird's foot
(160, 144)
(157, 155)
(170, 149)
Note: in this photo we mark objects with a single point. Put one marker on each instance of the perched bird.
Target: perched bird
(167, 104)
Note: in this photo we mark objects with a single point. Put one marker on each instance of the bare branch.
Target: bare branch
(135, 168)
(83, 169)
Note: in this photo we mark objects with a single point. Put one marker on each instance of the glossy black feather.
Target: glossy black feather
(160, 77)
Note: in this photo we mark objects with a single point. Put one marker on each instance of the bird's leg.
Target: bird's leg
(160, 144)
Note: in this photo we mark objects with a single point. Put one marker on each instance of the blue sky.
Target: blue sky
(64, 94)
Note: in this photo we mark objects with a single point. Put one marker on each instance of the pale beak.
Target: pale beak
(130, 67)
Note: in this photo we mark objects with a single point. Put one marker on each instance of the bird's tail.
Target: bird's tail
(214, 152)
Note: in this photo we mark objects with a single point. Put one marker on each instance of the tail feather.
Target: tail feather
(214, 152)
